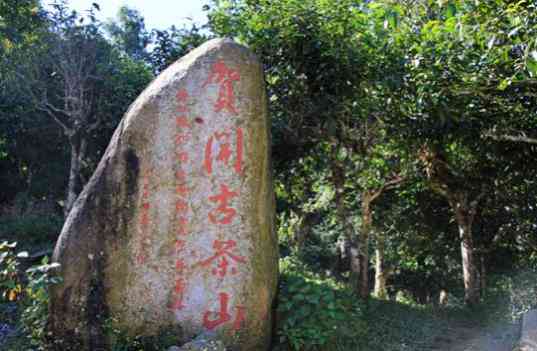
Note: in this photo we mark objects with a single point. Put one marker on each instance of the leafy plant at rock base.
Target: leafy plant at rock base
(10, 277)
(315, 312)
(34, 315)
(119, 341)
(28, 289)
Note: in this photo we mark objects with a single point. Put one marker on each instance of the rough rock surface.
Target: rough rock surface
(528, 335)
(201, 343)
(173, 235)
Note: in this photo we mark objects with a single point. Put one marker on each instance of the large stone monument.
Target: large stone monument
(173, 236)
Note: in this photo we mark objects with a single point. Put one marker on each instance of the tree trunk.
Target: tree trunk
(303, 228)
(448, 183)
(367, 220)
(381, 274)
(356, 265)
(443, 298)
(469, 268)
(78, 151)
(348, 248)
(483, 274)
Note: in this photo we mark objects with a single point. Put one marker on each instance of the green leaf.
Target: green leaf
(392, 19)
(532, 68)
(451, 10)
(504, 84)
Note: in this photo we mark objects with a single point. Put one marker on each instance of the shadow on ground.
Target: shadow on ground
(395, 326)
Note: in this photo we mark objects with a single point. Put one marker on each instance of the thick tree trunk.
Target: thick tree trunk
(367, 222)
(347, 244)
(469, 267)
(448, 183)
(78, 151)
(381, 274)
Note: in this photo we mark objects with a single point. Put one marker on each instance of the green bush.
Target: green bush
(35, 312)
(29, 290)
(523, 292)
(316, 313)
(509, 296)
(10, 276)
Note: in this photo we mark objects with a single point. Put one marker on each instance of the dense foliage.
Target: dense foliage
(404, 146)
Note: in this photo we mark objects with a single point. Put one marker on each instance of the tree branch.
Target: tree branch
(513, 138)
(51, 111)
(388, 185)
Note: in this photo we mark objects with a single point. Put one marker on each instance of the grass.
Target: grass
(396, 326)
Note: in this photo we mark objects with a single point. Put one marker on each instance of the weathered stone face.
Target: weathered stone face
(173, 236)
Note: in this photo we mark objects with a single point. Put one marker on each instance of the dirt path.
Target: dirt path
(501, 337)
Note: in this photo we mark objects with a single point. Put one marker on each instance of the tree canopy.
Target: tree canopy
(404, 133)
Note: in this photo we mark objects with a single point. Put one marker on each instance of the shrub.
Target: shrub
(28, 289)
(523, 292)
(10, 277)
(35, 312)
(316, 313)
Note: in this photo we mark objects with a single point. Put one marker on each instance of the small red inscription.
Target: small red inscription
(180, 266)
(180, 176)
(182, 226)
(179, 292)
(182, 100)
(223, 214)
(181, 206)
(224, 76)
(182, 156)
(182, 122)
(179, 246)
(182, 190)
(223, 315)
(144, 219)
(182, 137)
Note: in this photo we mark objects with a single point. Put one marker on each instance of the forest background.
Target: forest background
(404, 150)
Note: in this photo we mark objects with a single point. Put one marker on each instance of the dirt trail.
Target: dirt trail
(501, 337)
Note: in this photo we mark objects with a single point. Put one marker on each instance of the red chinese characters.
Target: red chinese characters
(213, 319)
(223, 257)
(219, 149)
(222, 75)
(224, 149)
(182, 190)
(182, 100)
(222, 214)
